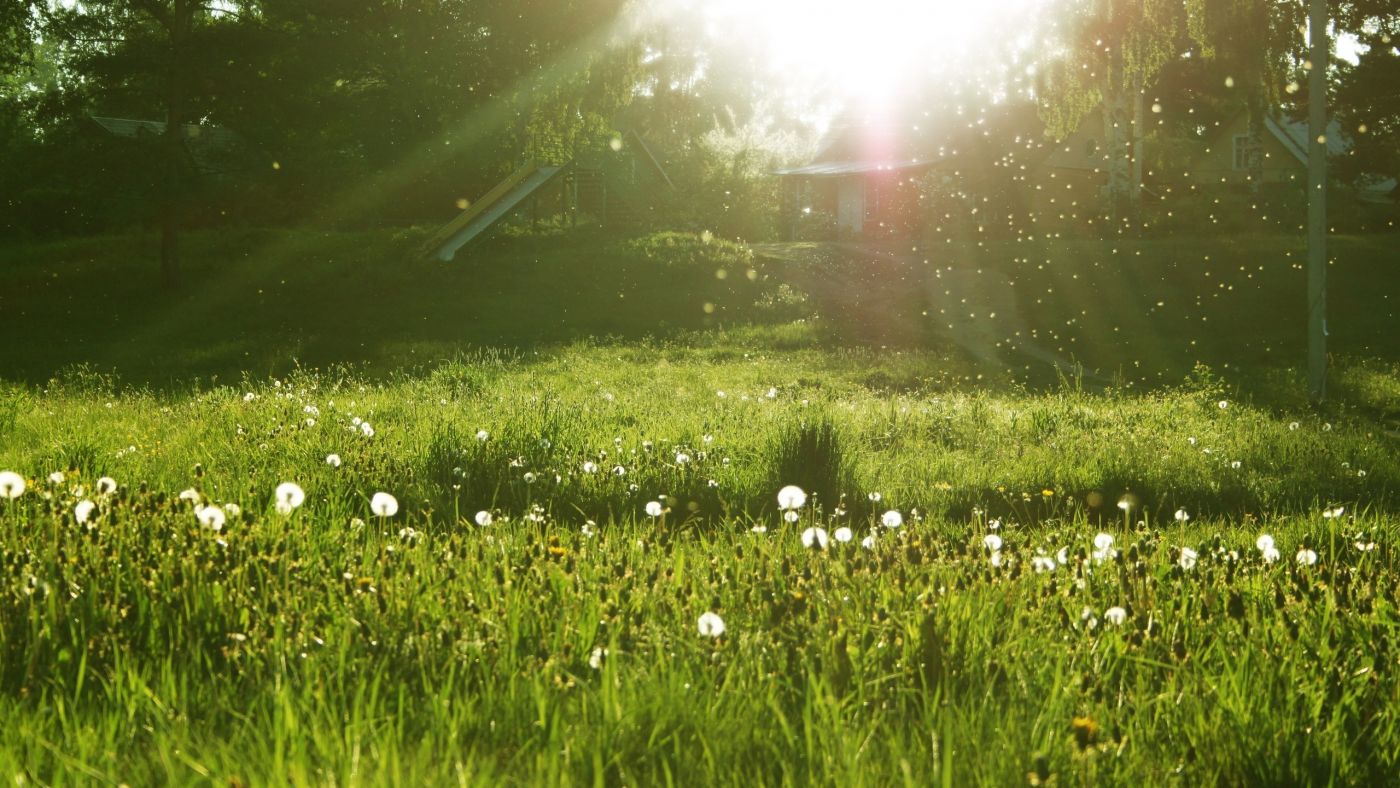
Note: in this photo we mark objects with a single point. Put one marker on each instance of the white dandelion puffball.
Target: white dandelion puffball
(1182, 515)
(1043, 563)
(484, 518)
(791, 497)
(590, 467)
(814, 538)
(333, 460)
(211, 517)
(710, 625)
(1264, 542)
(56, 477)
(597, 657)
(83, 511)
(868, 543)
(653, 508)
(291, 494)
(1270, 554)
(1187, 559)
(1333, 512)
(106, 485)
(384, 505)
(843, 534)
(483, 435)
(791, 517)
(892, 519)
(682, 458)
(11, 485)
(232, 509)
(1115, 615)
(366, 430)
(1102, 542)
(190, 494)
(992, 542)
(1306, 557)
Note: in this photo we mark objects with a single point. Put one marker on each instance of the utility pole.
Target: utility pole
(1320, 55)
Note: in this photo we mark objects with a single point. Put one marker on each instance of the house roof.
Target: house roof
(829, 169)
(1293, 134)
(212, 149)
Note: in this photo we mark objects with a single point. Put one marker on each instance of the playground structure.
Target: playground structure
(616, 185)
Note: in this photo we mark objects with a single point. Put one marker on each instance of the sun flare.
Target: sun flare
(871, 51)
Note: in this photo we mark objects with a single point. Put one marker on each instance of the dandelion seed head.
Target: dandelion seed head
(11, 485)
(710, 625)
(892, 519)
(383, 504)
(792, 497)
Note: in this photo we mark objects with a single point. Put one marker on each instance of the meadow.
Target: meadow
(333, 515)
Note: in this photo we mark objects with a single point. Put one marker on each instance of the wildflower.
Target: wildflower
(1264, 542)
(1293, 425)
(366, 430)
(759, 529)
(1334, 512)
(791, 497)
(483, 518)
(384, 505)
(83, 511)
(249, 397)
(814, 537)
(232, 509)
(653, 508)
(1103, 549)
(868, 542)
(892, 519)
(791, 517)
(992, 542)
(1043, 563)
(710, 625)
(874, 497)
(682, 458)
(56, 477)
(530, 477)
(1182, 516)
(1115, 615)
(11, 485)
(483, 435)
(1306, 557)
(1235, 465)
(843, 534)
(590, 467)
(596, 658)
(1187, 559)
(589, 529)
(211, 517)
(618, 470)
(289, 496)
(333, 460)
(1223, 404)
(106, 485)
(190, 494)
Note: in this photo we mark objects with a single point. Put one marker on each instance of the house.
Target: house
(863, 179)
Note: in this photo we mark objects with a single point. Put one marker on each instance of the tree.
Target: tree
(1112, 50)
(1366, 100)
(1256, 42)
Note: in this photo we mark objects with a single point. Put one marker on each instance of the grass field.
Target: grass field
(585, 440)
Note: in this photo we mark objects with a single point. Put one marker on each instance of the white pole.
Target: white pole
(1317, 200)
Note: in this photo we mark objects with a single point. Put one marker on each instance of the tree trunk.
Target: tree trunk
(1139, 131)
(1254, 154)
(178, 25)
(1117, 148)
